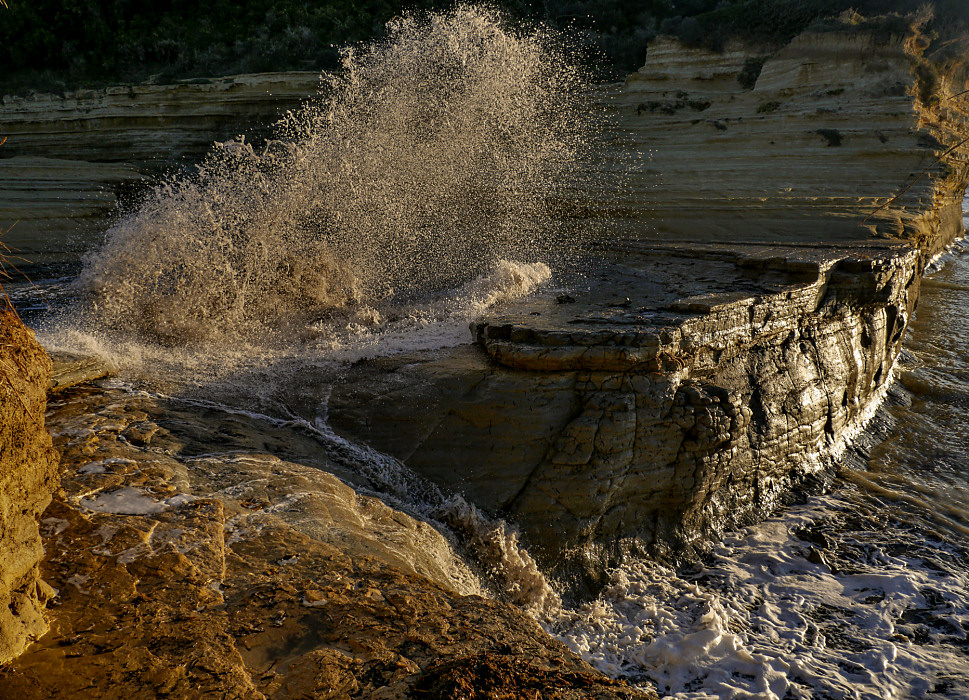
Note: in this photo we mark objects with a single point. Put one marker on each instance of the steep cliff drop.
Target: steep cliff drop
(28, 469)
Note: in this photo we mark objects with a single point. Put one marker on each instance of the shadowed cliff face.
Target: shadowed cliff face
(27, 478)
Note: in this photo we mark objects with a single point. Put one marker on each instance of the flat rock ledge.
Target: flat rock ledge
(679, 391)
(70, 369)
(28, 469)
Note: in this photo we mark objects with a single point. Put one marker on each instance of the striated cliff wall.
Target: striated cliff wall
(741, 323)
(154, 125)
(28, 468)
(68, 157)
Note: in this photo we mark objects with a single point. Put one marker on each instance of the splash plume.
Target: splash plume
(430, 156)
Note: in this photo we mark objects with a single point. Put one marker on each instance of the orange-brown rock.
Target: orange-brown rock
(28, 467)
(193, 559)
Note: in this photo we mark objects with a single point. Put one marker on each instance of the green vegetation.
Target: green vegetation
(768, 107)
(57, 44)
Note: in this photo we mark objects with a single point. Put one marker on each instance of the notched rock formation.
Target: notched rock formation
(28, 467)
(682, 393)
(832, 127)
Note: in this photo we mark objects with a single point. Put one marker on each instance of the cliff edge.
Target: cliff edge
(28, 470)
(740, 322)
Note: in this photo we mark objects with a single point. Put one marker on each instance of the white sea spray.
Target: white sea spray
(430, 158)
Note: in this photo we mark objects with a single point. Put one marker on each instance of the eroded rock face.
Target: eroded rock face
(807, 149)
(197, 554)
(686, 406)
(28, 467)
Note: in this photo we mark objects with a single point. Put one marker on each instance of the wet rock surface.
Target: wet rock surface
(190, 563)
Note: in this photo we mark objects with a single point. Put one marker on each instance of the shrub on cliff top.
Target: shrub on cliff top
(65, 43)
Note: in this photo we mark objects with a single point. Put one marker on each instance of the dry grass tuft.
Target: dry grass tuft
(6, 264)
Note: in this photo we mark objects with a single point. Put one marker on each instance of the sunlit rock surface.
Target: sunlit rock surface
(833, 128)
(194, 556)
(28, 467)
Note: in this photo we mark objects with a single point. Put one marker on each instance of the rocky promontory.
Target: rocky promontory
(737, 325)
(28, 477)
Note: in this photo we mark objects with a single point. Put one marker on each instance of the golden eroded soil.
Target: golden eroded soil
(27, 472)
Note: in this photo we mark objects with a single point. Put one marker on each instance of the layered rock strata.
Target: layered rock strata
(154, 125)
(692, 384)
(832, 127)
(681, 393)
(69, 157)
(28, 467)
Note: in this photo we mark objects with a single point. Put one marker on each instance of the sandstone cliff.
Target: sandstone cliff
(693, 383)
(69, 156)
(28, 467)
(738, 324)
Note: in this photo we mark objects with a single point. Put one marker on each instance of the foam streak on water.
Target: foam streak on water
(814, 604)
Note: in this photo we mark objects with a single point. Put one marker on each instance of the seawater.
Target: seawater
(415, 196)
